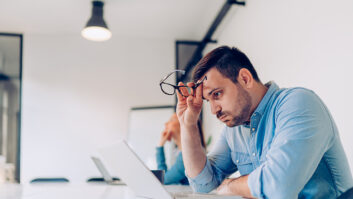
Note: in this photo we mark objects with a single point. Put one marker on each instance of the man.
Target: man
(283, 142)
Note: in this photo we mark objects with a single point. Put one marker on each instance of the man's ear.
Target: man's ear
(245, 78)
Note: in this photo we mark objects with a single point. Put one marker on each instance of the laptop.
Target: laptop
(106, 176)
(122, 160)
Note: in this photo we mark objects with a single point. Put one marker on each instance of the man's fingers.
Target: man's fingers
(199, 91)
(190, 85)
(183, 90)
(180, 97)
(190, 102)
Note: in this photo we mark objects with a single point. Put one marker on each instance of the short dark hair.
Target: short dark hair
(228, 61)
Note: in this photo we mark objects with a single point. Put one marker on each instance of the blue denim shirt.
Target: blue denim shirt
(290, 149)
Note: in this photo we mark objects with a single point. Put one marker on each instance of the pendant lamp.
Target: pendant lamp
(96, 29)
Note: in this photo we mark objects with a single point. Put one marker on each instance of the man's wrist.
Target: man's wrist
(239, 186)
(188, 127)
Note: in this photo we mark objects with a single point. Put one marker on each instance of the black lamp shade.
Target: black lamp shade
(97, 15)
(96, 29)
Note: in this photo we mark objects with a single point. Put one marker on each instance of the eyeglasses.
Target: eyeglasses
(169, 89)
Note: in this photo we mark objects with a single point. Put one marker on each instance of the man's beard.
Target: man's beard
(244, 100)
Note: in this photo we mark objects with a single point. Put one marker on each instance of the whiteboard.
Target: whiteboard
(145, 127)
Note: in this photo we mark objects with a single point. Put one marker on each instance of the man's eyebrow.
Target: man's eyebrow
(209, 93)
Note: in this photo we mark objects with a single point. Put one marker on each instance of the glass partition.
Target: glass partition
(10, 104)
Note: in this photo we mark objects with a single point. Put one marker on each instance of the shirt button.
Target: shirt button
(253, 154)
(253, 129)
(237, 161)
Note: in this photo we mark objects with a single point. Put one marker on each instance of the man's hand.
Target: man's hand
(224, 188)
(235, 186)
(189, 107)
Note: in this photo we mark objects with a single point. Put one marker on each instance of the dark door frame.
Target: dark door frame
(19, 124)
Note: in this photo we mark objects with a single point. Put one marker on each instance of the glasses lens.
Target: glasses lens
(168, 89)
(189, 89)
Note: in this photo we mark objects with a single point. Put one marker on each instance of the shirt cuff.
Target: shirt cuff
(203, 180)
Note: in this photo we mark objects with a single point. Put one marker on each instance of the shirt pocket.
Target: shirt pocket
(243, 162)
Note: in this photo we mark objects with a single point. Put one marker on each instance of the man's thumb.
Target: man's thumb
(190, 102)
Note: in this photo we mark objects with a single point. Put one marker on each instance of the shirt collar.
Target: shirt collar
(272, 88)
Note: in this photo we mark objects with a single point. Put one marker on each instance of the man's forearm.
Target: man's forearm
(239, 186)
(194, 156)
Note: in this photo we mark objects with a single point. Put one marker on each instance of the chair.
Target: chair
(50, 180)
(95, 180)
(100, 179)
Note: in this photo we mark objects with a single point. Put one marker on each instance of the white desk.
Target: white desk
(65, 191)
(71, 191)
(76, 191)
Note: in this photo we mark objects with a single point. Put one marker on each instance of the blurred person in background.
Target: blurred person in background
(175, 174)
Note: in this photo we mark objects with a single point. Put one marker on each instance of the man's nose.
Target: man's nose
(215, 108)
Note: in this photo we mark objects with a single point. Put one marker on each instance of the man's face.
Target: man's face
(230, 102)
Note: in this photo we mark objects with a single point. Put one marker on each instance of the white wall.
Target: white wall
(299, 43)
(77, 95)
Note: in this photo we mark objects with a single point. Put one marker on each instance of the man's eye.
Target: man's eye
(216, 94)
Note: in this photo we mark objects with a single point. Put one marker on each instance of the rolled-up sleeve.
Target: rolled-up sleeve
(218, 166)
(303, 134)
(205, 181)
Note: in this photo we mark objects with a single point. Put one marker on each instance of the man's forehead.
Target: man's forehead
(208, 87)
(215, 80)
(207, 84)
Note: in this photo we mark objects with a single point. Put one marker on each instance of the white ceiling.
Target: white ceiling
(178, 19)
